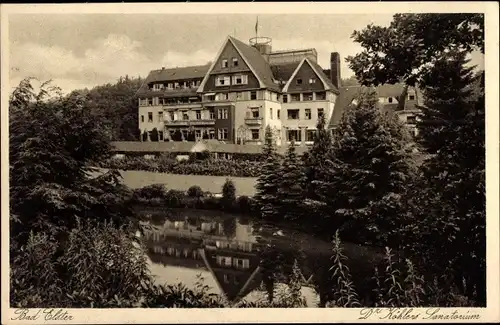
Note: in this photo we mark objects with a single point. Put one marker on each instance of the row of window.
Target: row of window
(177, 252)
(221, 81)
(225, 63)
(299, 81)
(294, 114)
(239, 263)
(176, 85)
(245, 95)
(222, 114)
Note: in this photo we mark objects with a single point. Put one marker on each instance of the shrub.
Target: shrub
(244, 204)
(151, 191)
(195, 191)
(175, 199)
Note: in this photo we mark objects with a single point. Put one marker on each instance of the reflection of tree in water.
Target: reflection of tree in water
(229, 227)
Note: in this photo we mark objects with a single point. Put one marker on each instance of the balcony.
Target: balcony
(253, 120)
(189, 122)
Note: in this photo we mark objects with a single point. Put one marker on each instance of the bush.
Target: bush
(175, 199)
(150, 192)
(195, 191)
(228, 195)
(245, 204)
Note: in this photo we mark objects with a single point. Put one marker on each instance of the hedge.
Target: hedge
(157, 195)
(167, 164)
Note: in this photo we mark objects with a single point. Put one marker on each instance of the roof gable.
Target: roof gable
(327, 84)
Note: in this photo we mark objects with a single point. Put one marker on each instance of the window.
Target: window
(278, 113)
(172, 116)
(224, 63)
(241, 263)
(285, 98)
(308, 96)
(308, 113)
(222, 114)
(293, 114)
(310, 135)
(299, 81)
(160, 116)
(255, 134)
(254, 112)
(185, 116)
(312, 80)
(411, 119)
(239, 95)
(389, 99)
(150, 101)
(212, 115)
(142, 118)
(235, 62)
(157, 87)
(223, 134)
(211, 134)
(320, 112)
(294, 134)
(170, 85)
(240, 80)
(227, 278)
(253, 95)
(198, 115)
(223, 260)
(271, 112)
(412, 97)
(160, 135)
(197, 133)
(222, 81)
(176, 85)
(295, 97)
(150, 117)
(321, 96)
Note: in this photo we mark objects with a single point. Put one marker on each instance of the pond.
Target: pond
(235, 255)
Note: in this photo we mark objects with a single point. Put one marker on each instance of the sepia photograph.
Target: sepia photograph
(247, 160)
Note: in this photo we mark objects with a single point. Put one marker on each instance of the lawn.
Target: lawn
(136, 179)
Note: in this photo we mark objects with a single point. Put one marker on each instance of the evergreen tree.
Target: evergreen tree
(145, 136)
(452, 189)
(269, 179)
(366, 173)
(314, 159)
(290, 191)
(228, 194)
(138, 136)
(154, 135)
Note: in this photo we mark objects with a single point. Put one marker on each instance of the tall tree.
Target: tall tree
(315, 156)
(290, 193)
(411, 42)
(56, 195)
(269, 179)
(366, 173)
(449, 235)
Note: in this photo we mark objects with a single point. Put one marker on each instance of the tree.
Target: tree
(365, 175)
(314, 160)
(138, 136)
(154, 135)
(351, 81)
(452, 187)
(56, 195)
(228, 194)
(290, 193)
(399, 52)
(145, 136)
(177, 136)
(269, 179)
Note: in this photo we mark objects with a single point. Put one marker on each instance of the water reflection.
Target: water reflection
(236, 256)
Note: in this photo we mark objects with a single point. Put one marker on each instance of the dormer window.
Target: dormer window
(299, 81)
(235, 62)
(411, 97)
(312, 81)
(224, 63)
(389, 99)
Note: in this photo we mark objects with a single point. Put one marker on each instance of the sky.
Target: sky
(84, 50)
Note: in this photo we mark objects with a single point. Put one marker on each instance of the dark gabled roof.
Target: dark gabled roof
(322, 75)
(343, 101)
(257, 62)
(284, 71)
(172, 74)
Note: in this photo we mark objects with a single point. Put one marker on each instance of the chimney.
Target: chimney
(335, 69)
